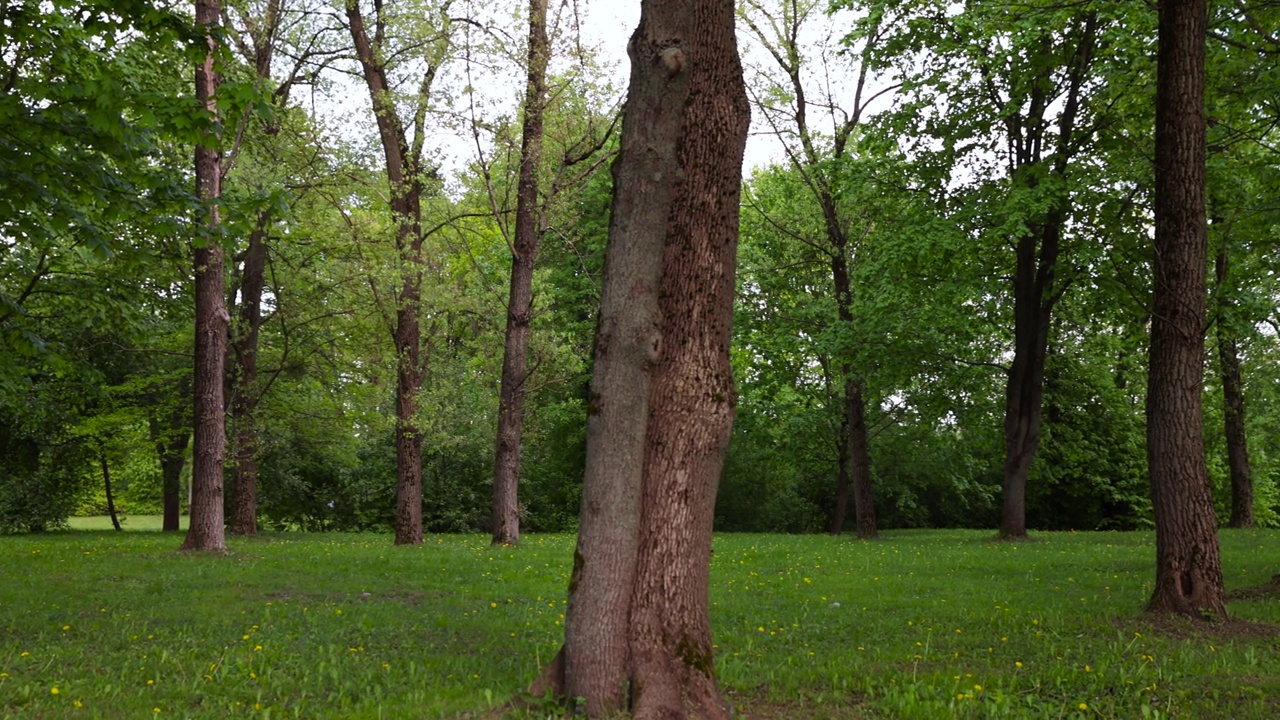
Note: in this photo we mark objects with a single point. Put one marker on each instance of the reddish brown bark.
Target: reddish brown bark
(528, 236)
(1188, 564)
(404, 173)
(1233, 405)
(206, 531)
(662, 393)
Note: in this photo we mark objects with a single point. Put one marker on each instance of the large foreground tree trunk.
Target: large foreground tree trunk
(206, 531)
(1233, 404)
(1188, 565)
(662, 397)
(506, 466)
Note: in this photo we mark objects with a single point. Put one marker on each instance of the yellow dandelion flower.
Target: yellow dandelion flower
(1084, 706)
(53, 691)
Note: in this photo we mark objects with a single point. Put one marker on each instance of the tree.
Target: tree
(406, 175)
(267, 184)
(206, 531)
(524, 251)
(1188, 565)
(821, 167)
(662, 395)
(1232, 398)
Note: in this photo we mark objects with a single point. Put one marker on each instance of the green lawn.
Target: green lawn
(922, 624)
(127, 522)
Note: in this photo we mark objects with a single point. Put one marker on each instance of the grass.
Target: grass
(922, 624)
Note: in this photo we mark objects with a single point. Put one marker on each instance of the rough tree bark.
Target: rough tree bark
(1233, 404)
(662, 398)
(405, 175)
(206, 531)
(1188, 564)
(528, 236)
(1035, 290)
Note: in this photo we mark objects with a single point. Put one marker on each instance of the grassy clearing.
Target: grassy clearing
(146, 523)
(935, 624)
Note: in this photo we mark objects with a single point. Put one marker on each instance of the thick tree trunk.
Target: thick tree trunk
(1233, 407)
(206, 531)
(245, 393)
(403, 173)
(1188, 565)
(506, 466)
(106, 486)
(662, 396)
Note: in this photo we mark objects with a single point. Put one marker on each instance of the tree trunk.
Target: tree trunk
(1188, 565)
(106, 486)
(1233, 406)
(1034, 290)
(506, 467)
(864, 507)
(245, 393)
(842, 475)
(206, 531)
(1024, 394)
(855, 418)
(662, 396)
(403, 173)
(171, 449)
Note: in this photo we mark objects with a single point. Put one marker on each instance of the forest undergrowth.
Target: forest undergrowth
(920, 624)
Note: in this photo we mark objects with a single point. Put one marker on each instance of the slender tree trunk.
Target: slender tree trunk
(243, 367)
(171, 450)
(106, 486)
(859, 453)
(842, 475)
(638, 607)
(854, 407)
(506, 467)
(1034, 290)
(403, 172)
(206, 531)
(244, 399)
(1024, 394)
(1233, 406)
(1188, 564)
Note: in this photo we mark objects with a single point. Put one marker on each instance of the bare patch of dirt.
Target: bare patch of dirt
(1258, 592)
(1214, 631)
(757, 705)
